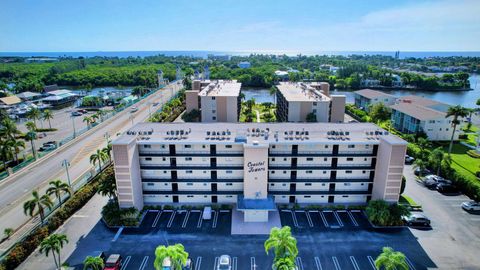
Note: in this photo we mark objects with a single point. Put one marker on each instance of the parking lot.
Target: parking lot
(317, 220)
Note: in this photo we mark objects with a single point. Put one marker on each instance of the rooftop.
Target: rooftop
(10, 100)
(221, 88)
(369, 93)
(253, 133)
(294, 91)
(421, 108)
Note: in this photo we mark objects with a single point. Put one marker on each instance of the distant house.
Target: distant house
(244, 64)
(366, 97)
(369, 83)
(7, 102)
(60, 97)
(397, 81)
(413, 114)
(283, 75)
(49, 88)
(29, 96)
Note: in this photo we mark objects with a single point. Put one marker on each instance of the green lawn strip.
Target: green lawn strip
(462, 162)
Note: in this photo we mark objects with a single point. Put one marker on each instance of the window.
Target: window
(164, 171)
(351, 146)
(314, 103)
(431, 121)
(205, 196)
(189, 184)
(284, 159)
(309, 159)
(314, 111)
(284, 185)
(345, 196)
(347, 184)
(150, 184)
(213, 111)
(309, 172)
(323, 184)
(148, 158)
(205, 184)
(228, 146)
(166, 184)
(229, 184)
(273, 172)
(349, 159)
(203, 146)
(272, 184)
(229, 172)
(213, 98)
(273, 146)
(214, 118)
(324, 172)
(284, 172)
(326, 146)
(364, 172)
(164, 159)
(307, 196)
(189, 196)
(189, 171)
(187, 146)
(348, 172)
(188, 159)
(365, 159)
(163, 146)
(147, 146)
(273, 159)
(229, 196)
(325, 159)
(308, 184)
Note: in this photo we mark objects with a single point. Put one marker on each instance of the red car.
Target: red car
(114, 262)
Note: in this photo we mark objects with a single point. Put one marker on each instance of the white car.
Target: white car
(224, 263)
(471, 206)
(133, 109)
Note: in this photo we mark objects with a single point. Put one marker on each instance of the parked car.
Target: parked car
(76, 113)
(409, 159)
(82, 111)
(423, 172)
(114, 262)
(188, 265)
(431, 181)
(224, 263)
(133, 109)
(207, 213)
(50, 142)
(416, 219)
(155, 104)
(446, 188)
(471, 206)
(47, 147)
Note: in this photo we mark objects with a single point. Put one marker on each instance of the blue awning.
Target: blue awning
(256, 204)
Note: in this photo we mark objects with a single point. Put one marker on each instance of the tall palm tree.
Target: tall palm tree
(273, 92)
(284, 264)
(176, 253)
(16, 146)
(108, 151)
(5, 152)
(47, 116)
(95, 117)
(421, 165)
(37, 205)
(89, 120)
(391, 260)
(34, 114)
(32, 136)
(283, 243)
(436, 158)
(99, 156)
(54, 243)
(58, 187)
(108, 187)
(456, 112)
(101, 114)
(8, 129)
(31, 126)
(93, 263)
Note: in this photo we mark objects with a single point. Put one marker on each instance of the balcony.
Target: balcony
(321, 154)
(320, 180)
(191, 180)
(324, 192)
(193, 192)
(191, 154)
(191, 167)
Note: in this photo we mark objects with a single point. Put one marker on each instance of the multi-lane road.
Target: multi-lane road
(16, 189)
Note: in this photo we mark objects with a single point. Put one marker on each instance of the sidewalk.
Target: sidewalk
(76, 228)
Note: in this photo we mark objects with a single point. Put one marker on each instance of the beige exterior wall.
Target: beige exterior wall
(337, 110)
(256, 171)
(222, 109)
(389, 170)
(232, 109)
(191, 100)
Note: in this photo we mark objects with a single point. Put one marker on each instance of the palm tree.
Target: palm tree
(32, 136)
(95, 117)
(273, 92)
(34, 114)
(16, 145)
(108, 187)
(37, 205)
(54, 243)
(93, 263)
(98, 156)
(58, 187)
(176, 253)
(391, 260)
(89, 120)
(421, 165)
(282, 241)
(101, 113)
(31, 126)
(8, 129)
(436, 158)
(7, 233)
(284, 264)
(47, 116)
(5, 152)
(456, 112)
(108, 151)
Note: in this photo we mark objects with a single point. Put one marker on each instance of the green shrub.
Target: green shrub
(381, 213)
(113, 215)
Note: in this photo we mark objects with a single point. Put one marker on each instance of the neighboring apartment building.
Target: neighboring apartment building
(413, 114)
(366, 97)
(255, 166)
(218, 101)
(296, 100)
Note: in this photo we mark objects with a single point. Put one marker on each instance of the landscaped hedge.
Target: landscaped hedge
(358, 114)
(23, 249)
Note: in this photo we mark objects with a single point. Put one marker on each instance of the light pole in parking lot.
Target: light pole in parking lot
(107, 137)
(73, 124)
(66, 164)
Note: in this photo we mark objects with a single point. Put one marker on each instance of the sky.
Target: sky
(233, 25)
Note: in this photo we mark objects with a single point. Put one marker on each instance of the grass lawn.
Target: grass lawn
(471, 134)
(262, 109)
(462, 162)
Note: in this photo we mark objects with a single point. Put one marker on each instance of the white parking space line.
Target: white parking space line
(253, 266)
(167, 210)
(216, 263)
(144, 263)
(125, 263)
(309, 218)
(154, 224)
(410, 264)
(355, 223)
(318, 264)
(325, 222)
(200, 219)
(285, 210)
(474, 219)
(215, 219)
(171, 220)
(294, 217)
(224, 211)
(337, 217)
(355, 211)
(185, 220)
(372, 262)
(119, 232)
(354, 263)
(299, 263)
(335, 262)
(234, 263)
(198, 263)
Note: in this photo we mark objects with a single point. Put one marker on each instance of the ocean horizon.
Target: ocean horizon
(204, 54)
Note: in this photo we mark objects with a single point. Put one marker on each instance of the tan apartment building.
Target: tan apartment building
(218, 101)
(299, 101)
(255, 166)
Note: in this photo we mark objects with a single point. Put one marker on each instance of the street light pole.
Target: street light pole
(66, 164)
(107, 137)
(73, 124)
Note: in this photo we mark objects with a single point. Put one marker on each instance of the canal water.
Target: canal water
(464, 98)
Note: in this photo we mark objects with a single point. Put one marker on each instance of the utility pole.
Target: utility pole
(73, 124)
(66, 164)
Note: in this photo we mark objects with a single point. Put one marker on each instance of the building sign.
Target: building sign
(256, 167)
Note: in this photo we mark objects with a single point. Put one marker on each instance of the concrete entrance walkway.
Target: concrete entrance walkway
(239, 227)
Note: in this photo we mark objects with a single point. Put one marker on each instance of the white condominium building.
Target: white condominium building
(257, 165)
